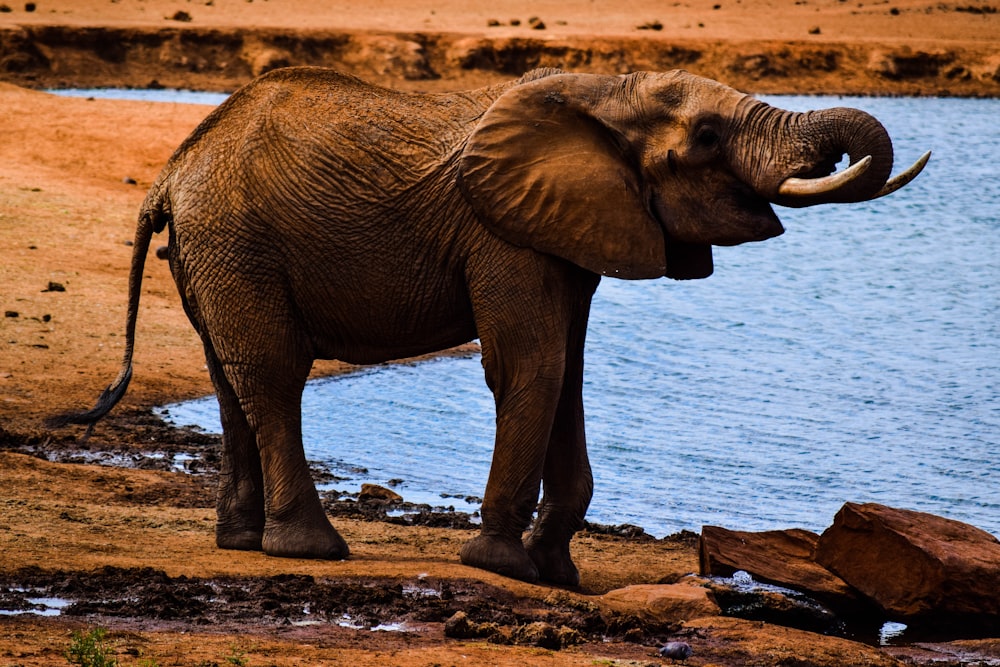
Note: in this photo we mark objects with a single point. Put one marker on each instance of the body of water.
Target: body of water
(855, 358)
(146, 95)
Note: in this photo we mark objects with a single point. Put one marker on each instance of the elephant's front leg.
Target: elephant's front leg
(567, 480)
(532, 339)
(525, 412)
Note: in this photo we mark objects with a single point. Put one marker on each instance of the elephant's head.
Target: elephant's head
(638, 176)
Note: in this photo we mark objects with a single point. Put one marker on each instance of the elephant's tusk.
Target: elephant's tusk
(904, 178)
(803, 187)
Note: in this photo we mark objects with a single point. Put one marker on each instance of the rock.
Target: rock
(920, 568)
(390, 56)
(758, 66)
(958, 73)
(378, 493)
(568, 636)
(541, 634)
(779, 557)
(661, 603)
(460, 627)
(626, 531)
(55, 287)
(742, 597)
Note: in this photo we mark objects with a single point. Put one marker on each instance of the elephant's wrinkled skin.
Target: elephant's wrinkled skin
(315, 216)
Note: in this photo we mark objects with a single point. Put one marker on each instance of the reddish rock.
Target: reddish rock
(779, 557)
(660, 603)
(916, 566)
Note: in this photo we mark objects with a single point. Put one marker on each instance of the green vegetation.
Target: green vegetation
(94, 648)
(91, 649)
(237, 657)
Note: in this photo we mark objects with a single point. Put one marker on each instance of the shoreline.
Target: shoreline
(222, 59)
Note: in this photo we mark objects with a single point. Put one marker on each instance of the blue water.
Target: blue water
(146, 94)
(856, 358)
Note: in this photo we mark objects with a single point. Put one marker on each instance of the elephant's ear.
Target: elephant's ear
(542, 170)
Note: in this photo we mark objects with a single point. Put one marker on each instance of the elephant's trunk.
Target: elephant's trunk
(791, 155)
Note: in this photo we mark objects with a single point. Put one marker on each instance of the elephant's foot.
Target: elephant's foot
(295, 540)
(241, 540)
(554, 563)
(243, 531)
(239, 516)
(504, 556)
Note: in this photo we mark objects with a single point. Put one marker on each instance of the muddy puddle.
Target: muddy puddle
(145, 599)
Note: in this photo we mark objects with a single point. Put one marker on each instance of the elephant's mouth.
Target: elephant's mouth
(754, 218)
(740, 216)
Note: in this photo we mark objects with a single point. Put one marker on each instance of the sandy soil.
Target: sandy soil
(72, 175)
(873, 20)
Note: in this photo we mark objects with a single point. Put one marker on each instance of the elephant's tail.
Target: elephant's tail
(151, 220)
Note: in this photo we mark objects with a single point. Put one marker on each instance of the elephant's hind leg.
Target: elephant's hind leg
(295, 526)
(240, 500)
(262, 361)
(240, 496)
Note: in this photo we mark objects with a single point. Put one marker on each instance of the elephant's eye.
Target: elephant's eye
(707, 137)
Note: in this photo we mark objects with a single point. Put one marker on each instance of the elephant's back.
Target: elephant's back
(321, 107)
(321, 156)
(298, 130)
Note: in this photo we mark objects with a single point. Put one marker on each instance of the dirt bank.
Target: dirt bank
(223, 59)
(889, 47)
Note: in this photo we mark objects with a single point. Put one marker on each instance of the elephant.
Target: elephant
(315, 216)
